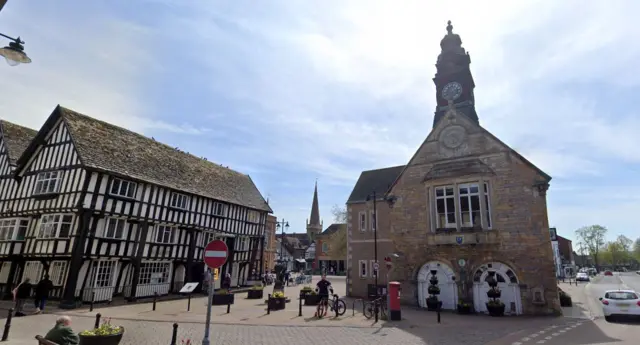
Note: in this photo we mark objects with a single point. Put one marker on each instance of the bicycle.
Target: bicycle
(335, 304)
(369, 308)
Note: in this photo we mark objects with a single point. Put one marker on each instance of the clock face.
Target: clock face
(452, 91)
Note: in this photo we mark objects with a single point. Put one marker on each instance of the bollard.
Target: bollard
(228, 308)
(93, 298)
(155, 299)
(268, 299)
(97, 324)
(375, 309)
(300, 305)
(189, 303)
(7, 325)
(438, 312)
(174, 336)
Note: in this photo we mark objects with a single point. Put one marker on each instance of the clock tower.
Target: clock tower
(453, 78)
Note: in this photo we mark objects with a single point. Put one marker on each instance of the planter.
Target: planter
(101, 339)
(464, 309)
(255, 294)
(310, 299)
(222, 299)
(277, 303)
(433, 305)
(495, 309)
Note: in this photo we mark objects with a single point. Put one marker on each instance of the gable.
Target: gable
(456, 138)
(15, 139)
(5, 168)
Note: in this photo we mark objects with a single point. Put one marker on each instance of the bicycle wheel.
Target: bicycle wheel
(320, 309)
(340, 307)
(368, 310)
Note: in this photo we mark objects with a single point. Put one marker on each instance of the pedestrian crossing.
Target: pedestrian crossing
(548, 334)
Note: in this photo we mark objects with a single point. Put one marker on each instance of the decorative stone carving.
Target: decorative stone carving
(537, 296)
(453, 136)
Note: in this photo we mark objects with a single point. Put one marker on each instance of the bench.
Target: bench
(42, 341)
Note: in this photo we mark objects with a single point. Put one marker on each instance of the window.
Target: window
(48, 182)
(445, 207)
(325, 248)
(253, 216)
(123, 188)
(55, 226)
(469, 195)
(57, 271)
(362, 217)
(487, 205)
(374, 271)
(219, 209)
(621, 295)
(373, 220)
(180, 201)
(13, 229)
(164, 234)
(242, 243)
(104, 276)
(154, 273)
(208, 236)
(33, 270)
(114, 228)
(363, 268)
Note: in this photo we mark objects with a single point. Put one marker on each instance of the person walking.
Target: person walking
(21, 294)
(43, 288)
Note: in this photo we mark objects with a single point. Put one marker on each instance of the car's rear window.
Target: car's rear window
(621, 295)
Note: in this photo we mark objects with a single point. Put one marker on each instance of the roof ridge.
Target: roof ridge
(67, 110)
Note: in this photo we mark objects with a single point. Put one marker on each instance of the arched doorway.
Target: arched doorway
(507, 282)
(446, 283)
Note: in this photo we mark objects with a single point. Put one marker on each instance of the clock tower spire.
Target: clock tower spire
(453, 79)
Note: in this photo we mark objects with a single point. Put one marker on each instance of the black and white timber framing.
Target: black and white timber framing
(107, 212)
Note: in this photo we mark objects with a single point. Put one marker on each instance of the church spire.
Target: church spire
(314, 219)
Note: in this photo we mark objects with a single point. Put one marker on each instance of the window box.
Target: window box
(222, 297)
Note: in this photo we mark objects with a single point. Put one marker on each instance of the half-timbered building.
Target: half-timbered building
(110, 212)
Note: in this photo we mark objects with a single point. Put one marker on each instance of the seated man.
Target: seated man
(62, 333)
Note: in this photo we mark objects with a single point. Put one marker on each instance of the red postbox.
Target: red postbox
(394, 301)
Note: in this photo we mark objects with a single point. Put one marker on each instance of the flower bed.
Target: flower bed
(106, 334)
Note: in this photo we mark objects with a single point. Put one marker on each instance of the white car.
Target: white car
(620, 303)
(582, 277)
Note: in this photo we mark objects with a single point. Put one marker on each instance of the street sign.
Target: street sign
(376, 266)
(189, 287)
(215, 254)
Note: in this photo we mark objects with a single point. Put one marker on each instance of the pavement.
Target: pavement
(248, 322)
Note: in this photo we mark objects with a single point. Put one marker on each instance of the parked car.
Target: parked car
(608, 273)
(582, 277)
(620, 303)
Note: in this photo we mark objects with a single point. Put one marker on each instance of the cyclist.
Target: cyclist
(323, 288)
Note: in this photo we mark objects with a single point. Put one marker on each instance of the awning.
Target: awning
(302, 261)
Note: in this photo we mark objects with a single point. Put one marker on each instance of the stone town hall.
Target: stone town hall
(465, 204)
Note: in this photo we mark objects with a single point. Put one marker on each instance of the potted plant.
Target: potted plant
(432, 301)
(106, 334)
(463, 307)
(222, 297)
(277, 301)
(310, 297)
(256, 292)
(306, 290)
(495, 307)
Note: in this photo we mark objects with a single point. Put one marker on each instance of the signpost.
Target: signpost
(215, 255)
(188, 289)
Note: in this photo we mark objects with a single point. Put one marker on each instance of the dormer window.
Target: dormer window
(180, 201)
(123, 188)
(48, 182)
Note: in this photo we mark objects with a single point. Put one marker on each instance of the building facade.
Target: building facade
(465, 205)
(326, 259)
(108, 212)
(269, 261)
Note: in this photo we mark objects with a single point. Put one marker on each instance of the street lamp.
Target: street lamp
(390, 200)
(282, 226)
(14, 52)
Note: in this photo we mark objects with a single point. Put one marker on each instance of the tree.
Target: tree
(338, 240)
(339, 214)
(613, 253)
(636, 249)
(593, 239)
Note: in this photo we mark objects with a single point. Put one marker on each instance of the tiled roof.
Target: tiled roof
(333, 228)
(16, 139)
(103, 146)
(378, 180)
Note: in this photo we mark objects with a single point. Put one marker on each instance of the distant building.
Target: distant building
(270, 243)
(323, 258)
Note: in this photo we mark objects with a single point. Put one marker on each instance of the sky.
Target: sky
(290, 91)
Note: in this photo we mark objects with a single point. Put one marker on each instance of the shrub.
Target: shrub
(105, 329)
(306, 288)
(278, 294)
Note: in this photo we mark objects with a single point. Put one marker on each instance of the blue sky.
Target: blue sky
(291, 91)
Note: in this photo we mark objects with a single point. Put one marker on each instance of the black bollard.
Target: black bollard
(155, 299)
(268, 299)
(300, 305)
(375, 309)
(189, 303)
(438, 314)
(228, 308)
(97, 324)
(174, 336)
(7, 325)
(93, 298)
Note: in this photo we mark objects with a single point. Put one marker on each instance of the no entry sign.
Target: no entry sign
(215, 254)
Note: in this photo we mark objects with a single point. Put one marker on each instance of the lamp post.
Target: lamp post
(14, 52)
(282, 226)
(374, 227)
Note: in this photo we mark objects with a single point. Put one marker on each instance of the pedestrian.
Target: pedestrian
(43, 289)
(62, 333)
(21, 294)
(286, 277)
(226, 283)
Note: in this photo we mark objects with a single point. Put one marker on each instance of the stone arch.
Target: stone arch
(446, 283)
(508, 282)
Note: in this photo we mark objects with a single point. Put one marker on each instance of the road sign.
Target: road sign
(215, 253)
(189, 287)
(215, 274)
(375, 266)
